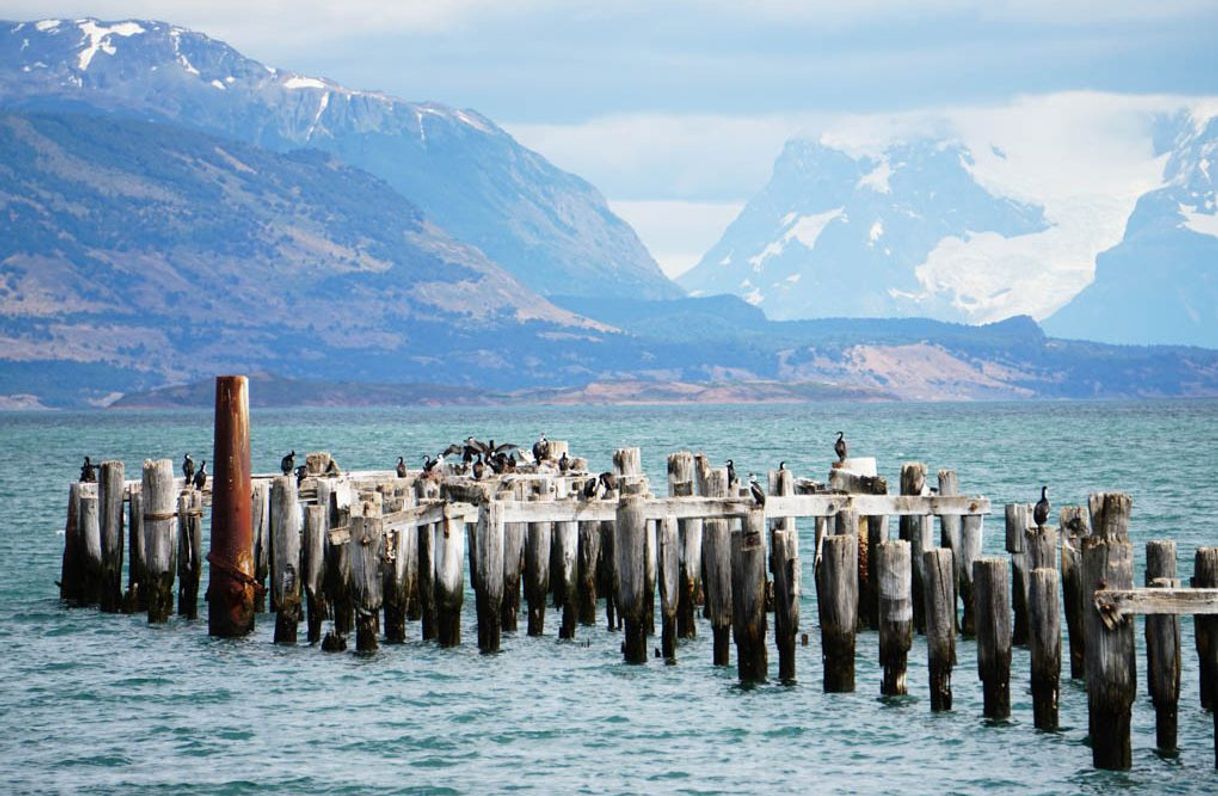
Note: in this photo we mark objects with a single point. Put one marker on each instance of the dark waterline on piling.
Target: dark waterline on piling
(548, 716)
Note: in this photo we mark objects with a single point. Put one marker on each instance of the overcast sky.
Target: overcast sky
(677, 109)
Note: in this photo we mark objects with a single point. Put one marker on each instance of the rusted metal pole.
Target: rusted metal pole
(230, 593)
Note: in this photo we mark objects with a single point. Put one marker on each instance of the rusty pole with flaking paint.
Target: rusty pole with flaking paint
(230, 607)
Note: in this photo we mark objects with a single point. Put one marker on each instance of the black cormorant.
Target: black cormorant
(200, 478)
(839, 447)
(1040, 514)
(564, 463)
(541, 449)
(401, 468)
(288, 463)
(88, 472)
(188, 469)
(756, 490)
(731, 474)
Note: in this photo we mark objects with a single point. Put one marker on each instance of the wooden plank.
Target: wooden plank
(1116, 604)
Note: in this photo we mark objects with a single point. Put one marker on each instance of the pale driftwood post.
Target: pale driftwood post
(1205, 576)
(190, 551)
(1075, 525)
(1016, 528)
(589, 560)
(367, 548)
(110, 507)
(395, 588)
(971, 528)
(1110, 654)
(488, 564)
(89, 519)
(940, 593)
(784, 564)
(450, 584)
(537, 566)
(513, 567)
(689, 533)
(992, 610)
(1163, 646)
(71, 572)
(566, 542)
(846, 522)
(892, 567)
(1044, 645)
(314, 566)
(338, 573)
(949, 524)
(285, 558)
(260, 515)
(670, 589)
(915, 531)
(717, 559)
(630, 566)
(160, 536)
(136, 598)
(748, 597)
(837, 596)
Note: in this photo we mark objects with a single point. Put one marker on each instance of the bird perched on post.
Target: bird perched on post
(756, 490)
(401, 468)
(332, 468)
(541, 449)
(288, 463)
(429, 463)
(200, 478)
(609, 481)
(590, 486)
(88, 472)
(302, 472)
(731, 474)
(1040, 513)
(564, 463)
(188, 469)
(839, 447)
(479, 469)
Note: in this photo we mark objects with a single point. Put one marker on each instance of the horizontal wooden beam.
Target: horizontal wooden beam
(1116, 604)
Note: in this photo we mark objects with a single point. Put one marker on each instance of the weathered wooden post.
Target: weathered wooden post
(1163, 646)
(513, 567)
(317, 526)
(1016, 546)
(337, 580)
(630, 553)
(1044, 645)
(1075, 525)
(89, 518)
(190, 551)
(1205, 576)
(110, 496)
(717, 559)
(160, 536)
(488, 564)
(605, 576)
(748, 597)
(231, 584)
(1111, 660)
(892, 566)
(970, 551)
(949, 524)
(260, 518)
(537, 564)
(565, 541)
(450, 584)
(285, 558)
(71, 572)
(915, 530)
(669, 576)
(427, 582)
(992, 609)
(589, 560)
(367, 547)
(784, 564)
(681, 484)
(837, 590)
(940, 593)
(136, 598)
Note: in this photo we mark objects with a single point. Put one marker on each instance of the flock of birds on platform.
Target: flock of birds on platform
(477, 457)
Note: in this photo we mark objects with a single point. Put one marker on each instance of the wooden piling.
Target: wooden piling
(367, 584)
(669, 555)
(940, 595)
(605, 578)
(231, 585)
(589, 560)
(190, 551)
(537, 545)
(1044, 645)
(1075, 525)
(1017, 518)
(285, 558)
(785, 567)
(1205, 576)
(71, 570)
(136, 598)
(160, 536)
(260, 519)
(110, 508)
(748, 597)
(89, 518)
(338, 578)
(837, 597)
(314, 567)
(689, 533)
(915, 530)
(487, 563)
(629, 545)
(427, 582)
(1110, 655)
(1163, 647)
(565, 540)
(513, 568)
(450, 583)
(949, 524)
(971, 529)
(717, 561)
(992, 601)
(892, 567)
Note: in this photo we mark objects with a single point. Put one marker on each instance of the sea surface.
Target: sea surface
(107, 704)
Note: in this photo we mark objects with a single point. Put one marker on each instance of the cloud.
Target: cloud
(677, 232)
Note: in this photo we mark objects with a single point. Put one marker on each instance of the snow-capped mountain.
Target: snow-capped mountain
(1160, 283)
(843, 235)
(549, 228)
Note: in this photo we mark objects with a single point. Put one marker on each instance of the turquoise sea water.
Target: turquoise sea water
(105, 703)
